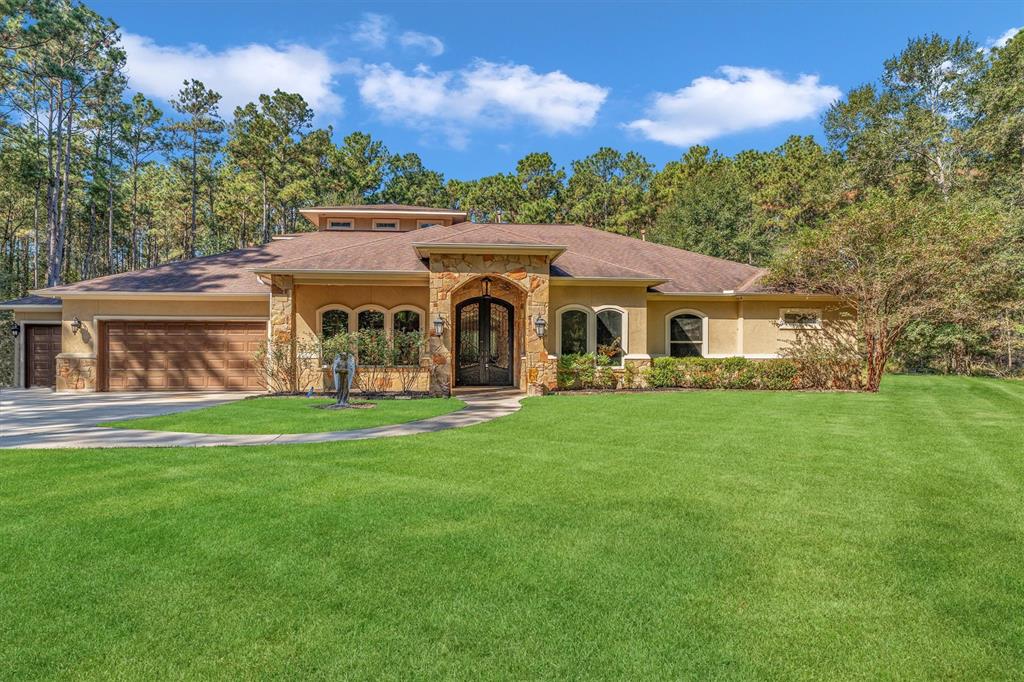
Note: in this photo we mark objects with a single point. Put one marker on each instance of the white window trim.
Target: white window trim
(331, 221)
(703, 329)
(784, 325)
(394, 221)
(428, 223)
(625, 329)
(331, 306)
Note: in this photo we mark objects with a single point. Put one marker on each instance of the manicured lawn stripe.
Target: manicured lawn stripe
(664, 535)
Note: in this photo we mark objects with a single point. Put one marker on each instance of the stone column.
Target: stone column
(540, 368)
(440, 347)
(282, 314)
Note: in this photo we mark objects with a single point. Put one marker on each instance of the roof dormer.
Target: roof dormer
(380, 217)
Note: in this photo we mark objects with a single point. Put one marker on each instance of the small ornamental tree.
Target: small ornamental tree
(896, 260)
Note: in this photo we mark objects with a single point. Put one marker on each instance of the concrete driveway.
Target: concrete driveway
(43, 419)
(40, 417)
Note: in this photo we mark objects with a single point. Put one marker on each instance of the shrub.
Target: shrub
(731, 373)
(585, 371)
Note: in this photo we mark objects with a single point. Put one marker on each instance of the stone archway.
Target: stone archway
(522, 281)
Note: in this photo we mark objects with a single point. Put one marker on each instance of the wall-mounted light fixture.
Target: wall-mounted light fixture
(485, 285)
(15, 329)
(76, 325)
(438, 326)
(542, 325)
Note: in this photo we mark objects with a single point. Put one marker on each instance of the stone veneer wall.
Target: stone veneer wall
(282, 313)
(449, 273)
(76, 372)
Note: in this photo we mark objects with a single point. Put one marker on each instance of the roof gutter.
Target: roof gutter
(33, 307)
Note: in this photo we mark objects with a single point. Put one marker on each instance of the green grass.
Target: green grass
(291, 415)
(660, 535)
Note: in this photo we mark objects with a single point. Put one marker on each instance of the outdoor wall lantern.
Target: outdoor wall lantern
(438, 326)
(76, 325)
(485, 285)
(542, 325)
(15, 329)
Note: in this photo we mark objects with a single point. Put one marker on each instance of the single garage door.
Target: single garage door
(149, 355)
(42, 344)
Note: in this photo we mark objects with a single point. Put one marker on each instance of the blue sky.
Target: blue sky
(472, 87)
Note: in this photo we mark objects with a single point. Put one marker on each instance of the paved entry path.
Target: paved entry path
(36, 418)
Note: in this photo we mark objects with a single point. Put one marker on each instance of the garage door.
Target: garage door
(174, 356)
(42, 344)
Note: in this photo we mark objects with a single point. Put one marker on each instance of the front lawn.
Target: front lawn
(659, 535)
(291, 415)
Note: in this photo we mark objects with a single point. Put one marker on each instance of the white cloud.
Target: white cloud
(484, 94)
(1005, 38)
(432, 45)
(239, 74)
(744, 99)
(372, 31)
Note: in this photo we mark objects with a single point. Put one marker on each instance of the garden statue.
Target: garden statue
(344, 372)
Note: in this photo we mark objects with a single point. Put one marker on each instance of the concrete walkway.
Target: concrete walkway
(44, 419)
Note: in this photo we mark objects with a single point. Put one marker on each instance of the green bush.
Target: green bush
(585, 371)
(733, 373)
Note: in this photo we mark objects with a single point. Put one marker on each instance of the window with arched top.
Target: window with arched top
(405, 329)
(573, 327)
(370, 320)
(686, 333)
(333, 322)
(610, 342)
(406, 321)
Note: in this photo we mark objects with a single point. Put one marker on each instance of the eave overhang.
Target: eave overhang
(33, 308)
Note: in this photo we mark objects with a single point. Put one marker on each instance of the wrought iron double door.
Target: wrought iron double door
(483, 342)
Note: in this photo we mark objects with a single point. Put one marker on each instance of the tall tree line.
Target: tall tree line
(95, 180)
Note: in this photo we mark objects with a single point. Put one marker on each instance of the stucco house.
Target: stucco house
(498, 303)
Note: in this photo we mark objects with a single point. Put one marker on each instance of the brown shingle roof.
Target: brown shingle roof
(30, 300)
(385, 207)
(589, 253)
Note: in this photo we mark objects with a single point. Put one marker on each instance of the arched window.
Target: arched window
(371, 320)
(610, 342)
(333, 322)
(405, 326)
(686, 335)
(406, 321)
(573, 325)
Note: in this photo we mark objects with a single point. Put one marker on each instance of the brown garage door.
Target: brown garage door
(42, 344)
(175, 356)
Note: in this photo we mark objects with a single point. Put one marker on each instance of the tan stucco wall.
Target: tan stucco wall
(311, 297)
(761, 333)
(36, 315)
(632, 299)
(87, 309)
(722, 325)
